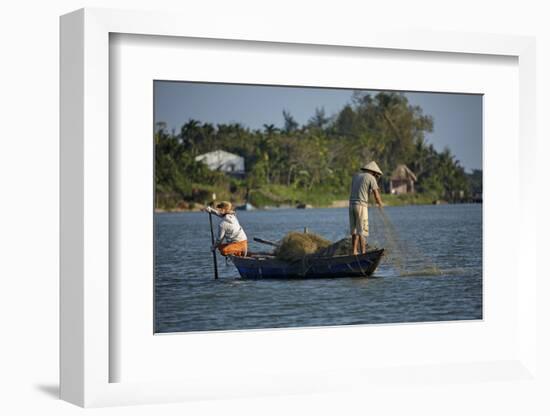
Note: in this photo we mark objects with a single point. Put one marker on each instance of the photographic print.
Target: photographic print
(290, 206)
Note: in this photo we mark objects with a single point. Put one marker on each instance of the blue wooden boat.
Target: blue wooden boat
(267, 266)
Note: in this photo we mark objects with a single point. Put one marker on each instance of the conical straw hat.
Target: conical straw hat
(373, 167)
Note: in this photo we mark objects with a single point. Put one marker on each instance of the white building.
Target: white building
(223, 161)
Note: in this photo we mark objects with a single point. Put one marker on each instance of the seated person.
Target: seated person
(229, 230)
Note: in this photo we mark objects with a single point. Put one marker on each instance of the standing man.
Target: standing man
(362, 184)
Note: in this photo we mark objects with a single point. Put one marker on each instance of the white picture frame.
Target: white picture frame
(86, 356)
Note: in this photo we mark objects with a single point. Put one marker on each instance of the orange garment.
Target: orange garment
(239, 248)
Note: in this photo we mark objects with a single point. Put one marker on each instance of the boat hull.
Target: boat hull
(268, 267)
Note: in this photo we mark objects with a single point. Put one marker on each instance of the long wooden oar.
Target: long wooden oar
(263, 241)
(214, 250)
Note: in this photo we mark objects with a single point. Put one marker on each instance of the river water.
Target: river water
(444, 238)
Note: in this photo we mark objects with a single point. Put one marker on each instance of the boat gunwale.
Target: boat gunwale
(272, 258)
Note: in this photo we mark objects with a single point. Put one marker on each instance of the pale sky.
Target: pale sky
(457, 117)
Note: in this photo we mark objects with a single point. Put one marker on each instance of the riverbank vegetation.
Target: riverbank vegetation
(311, 163)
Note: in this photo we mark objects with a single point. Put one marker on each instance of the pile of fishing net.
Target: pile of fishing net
(296, 245)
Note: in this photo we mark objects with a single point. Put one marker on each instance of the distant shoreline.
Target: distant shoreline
(389, 201)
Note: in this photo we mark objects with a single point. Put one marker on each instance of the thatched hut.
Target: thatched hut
(402, 180)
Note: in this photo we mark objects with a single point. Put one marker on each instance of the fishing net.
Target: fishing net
(295, 245)
(342, 247)
(403, 255)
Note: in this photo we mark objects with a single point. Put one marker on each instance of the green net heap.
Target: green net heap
(296, 246)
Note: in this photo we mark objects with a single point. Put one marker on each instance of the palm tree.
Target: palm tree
(291, 124)
(319, 119)
(189, 135)
(270, 129)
